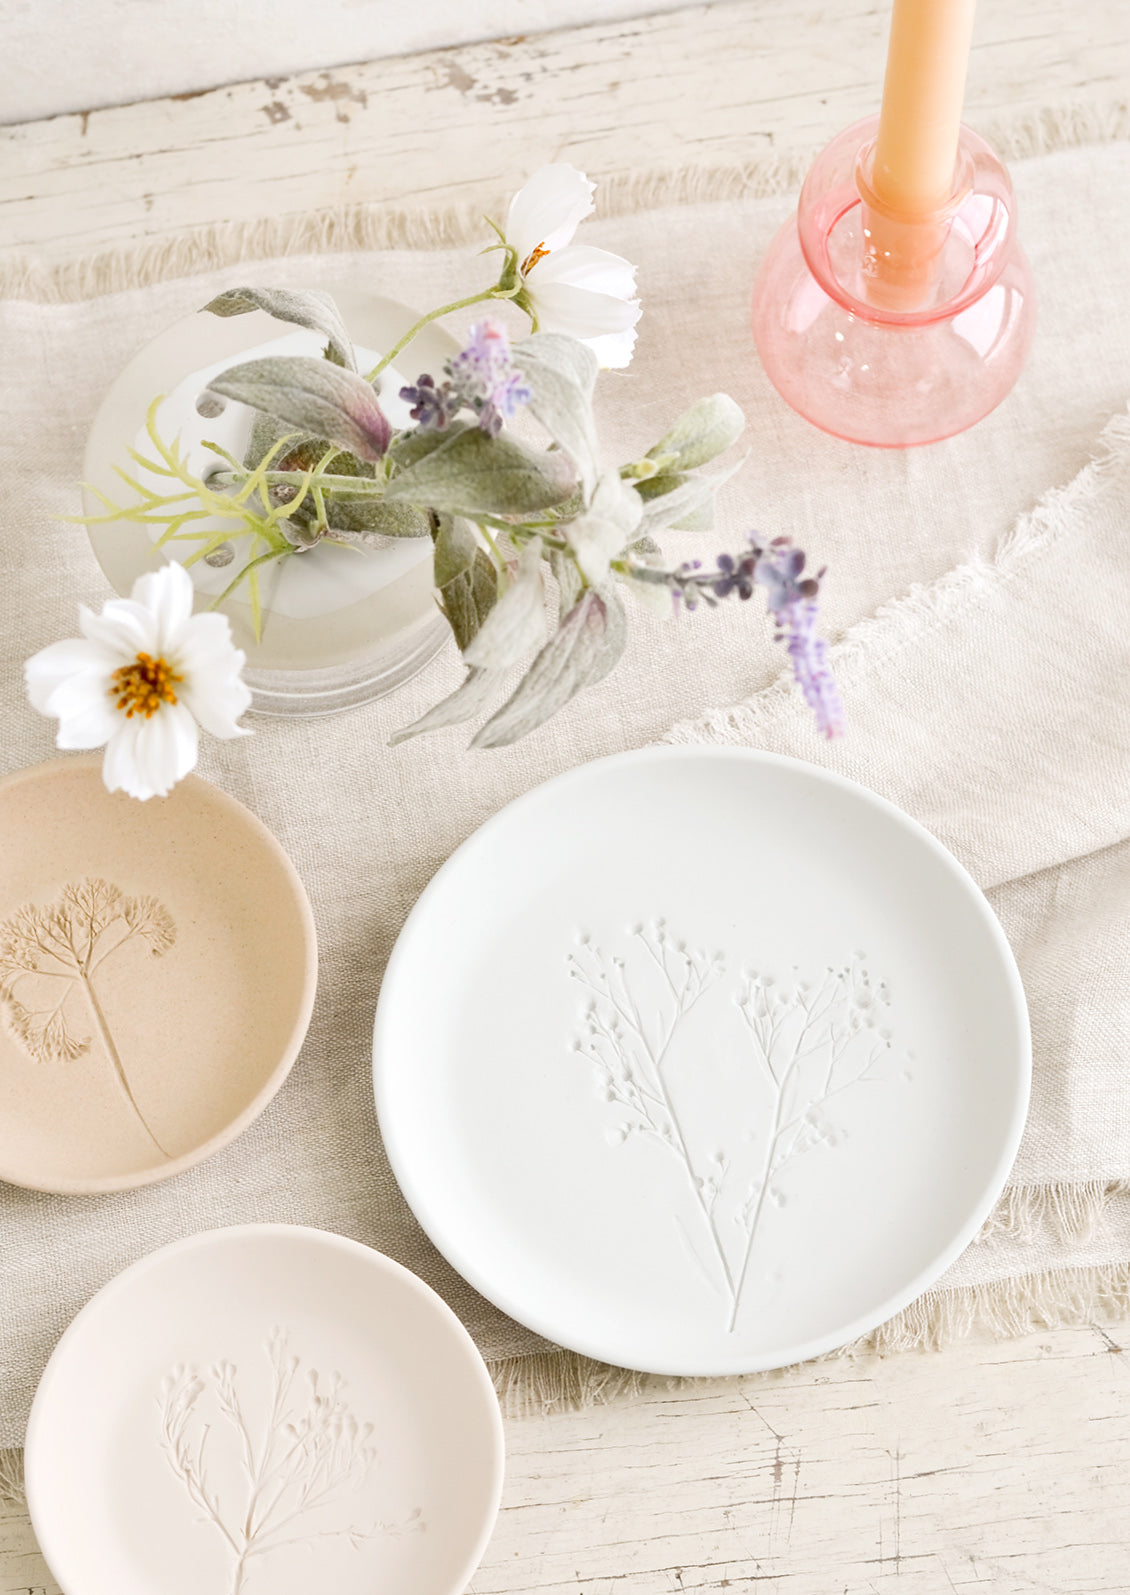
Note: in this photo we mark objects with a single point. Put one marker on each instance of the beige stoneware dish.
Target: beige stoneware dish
(157, 975)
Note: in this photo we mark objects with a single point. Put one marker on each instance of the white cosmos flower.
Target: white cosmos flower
(586, 293)
(141, 678)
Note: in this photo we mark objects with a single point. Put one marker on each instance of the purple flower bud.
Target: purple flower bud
(432, 406)
(793, 606)
(484, 378)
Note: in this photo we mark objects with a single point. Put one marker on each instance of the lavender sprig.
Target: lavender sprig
(481, 378)
(790, 599)
(433, 407)
(792, 602)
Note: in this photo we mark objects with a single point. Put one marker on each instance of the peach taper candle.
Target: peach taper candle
(910, 180)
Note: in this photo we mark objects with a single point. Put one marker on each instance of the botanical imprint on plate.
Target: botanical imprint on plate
(49, 958)
(262, 1482)
(809, 1042)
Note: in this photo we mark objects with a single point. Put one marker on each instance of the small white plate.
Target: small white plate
(264, 1410)
(701, 1061)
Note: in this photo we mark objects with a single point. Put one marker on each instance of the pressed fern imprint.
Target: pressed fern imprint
(798, 1046)
(263, 1489)
(49, 958)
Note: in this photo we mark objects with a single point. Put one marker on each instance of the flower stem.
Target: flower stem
(737, 1286)
(355, 486)
(260, 559)
(493, 546)
(495, 291)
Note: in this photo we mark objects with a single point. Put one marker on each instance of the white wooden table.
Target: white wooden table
(988, 1466)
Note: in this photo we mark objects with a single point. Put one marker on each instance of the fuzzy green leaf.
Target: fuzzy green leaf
(462, 704)
(516, 624)
(376, 517)
(705, 430)
(561, 374)
(311, 396)
(686, 500)
(471, 473)
(582, 650)
(658, 486)
(456, 547)
(302, 307)
(408, 447)
(697, 520)
(687, 507)
(468, 598)
(570, 582)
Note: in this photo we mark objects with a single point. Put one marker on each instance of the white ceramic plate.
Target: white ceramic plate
(701, 1061)
(264, 1410)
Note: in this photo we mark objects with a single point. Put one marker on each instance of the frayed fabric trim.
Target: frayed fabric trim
(11, 1477)
(1062, 1298)
(356, 228)
(1030, 1213)
(873, 643)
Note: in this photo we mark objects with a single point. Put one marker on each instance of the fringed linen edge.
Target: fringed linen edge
(11, 1477)
(372, 227)
(904, 621)
(1061, 1298)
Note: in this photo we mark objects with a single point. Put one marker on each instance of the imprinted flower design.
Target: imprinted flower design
(261, 1472)
(49, 957)
(144, 675)
(812, 1041)
(586, 293)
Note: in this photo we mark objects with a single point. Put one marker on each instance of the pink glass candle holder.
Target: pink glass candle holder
(889, 332)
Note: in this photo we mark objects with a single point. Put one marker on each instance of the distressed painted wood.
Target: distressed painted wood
(988, 1467)
(721, 84)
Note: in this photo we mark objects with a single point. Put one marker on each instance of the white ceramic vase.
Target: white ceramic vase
(340, 626)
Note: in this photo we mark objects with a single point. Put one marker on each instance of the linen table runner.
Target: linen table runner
(991, 703)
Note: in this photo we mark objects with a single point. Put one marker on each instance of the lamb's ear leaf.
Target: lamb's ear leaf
(688, 505)
(582, 650)
(708, 428)
(462, 704)
(307, 307)
(313, 397)
(473, 474)
(455, 548)
(516, 624)
(373, 519)
(561, 373)
(408, 447)
(468, 598)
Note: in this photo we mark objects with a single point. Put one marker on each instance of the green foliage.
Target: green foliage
(301, 307)
(581, 652)
(471, 473)
(247, 514)
(314, 397)
(468, 598)
(700, 434)
(323, 464)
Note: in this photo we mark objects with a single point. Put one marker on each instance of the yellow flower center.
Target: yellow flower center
(532, 259)
(141, 688)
